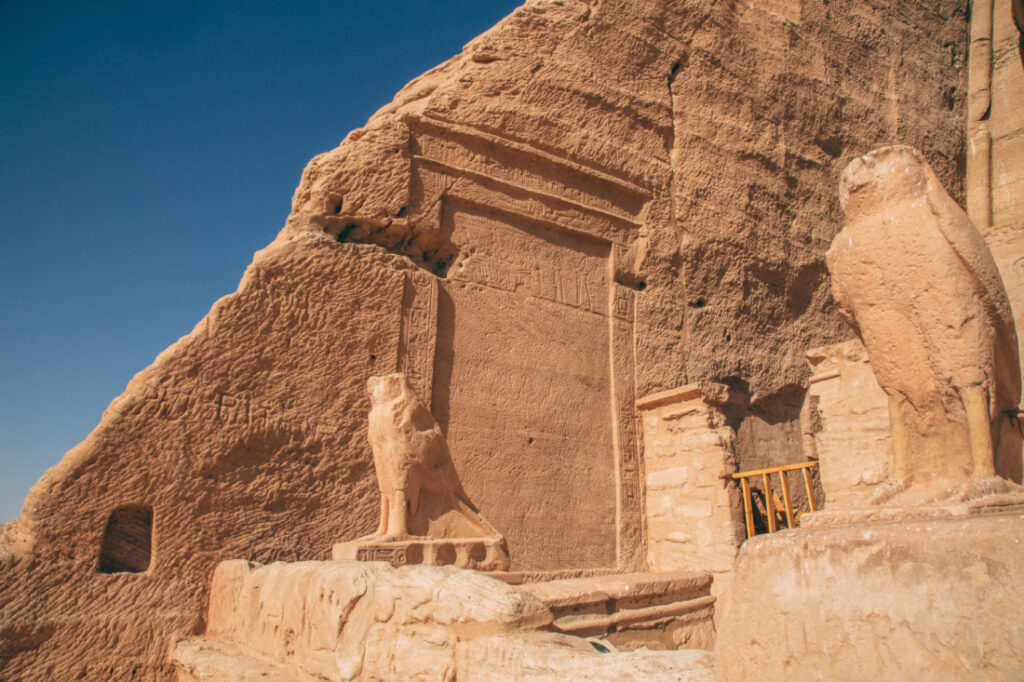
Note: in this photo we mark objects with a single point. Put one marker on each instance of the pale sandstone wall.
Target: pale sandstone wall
(694, 516)
(1005, 236)
(599, 200)
(1005, 121)
(846, 424)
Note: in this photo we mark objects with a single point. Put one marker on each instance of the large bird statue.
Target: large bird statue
(919, 286)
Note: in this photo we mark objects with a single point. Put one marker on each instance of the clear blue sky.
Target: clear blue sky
(146, 151)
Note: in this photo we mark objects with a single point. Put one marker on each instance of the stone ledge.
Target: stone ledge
(672, 395)
(678, 605)
(993, 504)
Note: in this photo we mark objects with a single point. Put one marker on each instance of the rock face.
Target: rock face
(916, 281)
(592, 202)
(925, 600)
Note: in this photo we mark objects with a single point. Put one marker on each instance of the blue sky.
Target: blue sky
(146, 151)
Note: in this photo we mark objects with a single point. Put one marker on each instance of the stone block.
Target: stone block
(845, 421)
(919, 599)
(485, 554)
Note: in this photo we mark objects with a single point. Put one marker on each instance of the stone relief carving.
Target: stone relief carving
(426, 515)
(915, 280)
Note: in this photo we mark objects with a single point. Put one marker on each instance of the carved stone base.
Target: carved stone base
(964, 501)
(482, 554)
(912, 599)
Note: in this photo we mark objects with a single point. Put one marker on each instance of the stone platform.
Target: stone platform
(919, 598)
(330, 620)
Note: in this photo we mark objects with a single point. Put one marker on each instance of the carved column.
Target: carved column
(631, 539)
(979, 104)
(419, 332)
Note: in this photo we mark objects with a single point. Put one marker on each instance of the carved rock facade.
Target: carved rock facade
(592, 202)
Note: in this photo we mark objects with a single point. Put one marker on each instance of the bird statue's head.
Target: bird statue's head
(886, 175)
(385, 388)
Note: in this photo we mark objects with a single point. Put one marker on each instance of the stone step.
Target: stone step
(509, 657)
(657, 610)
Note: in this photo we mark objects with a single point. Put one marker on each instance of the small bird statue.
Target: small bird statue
(411, 457)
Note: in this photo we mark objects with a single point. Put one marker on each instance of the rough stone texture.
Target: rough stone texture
(845, 422)
(925, 600)
(368, 621)
(638, 193)
(917, 283)
(694, 516)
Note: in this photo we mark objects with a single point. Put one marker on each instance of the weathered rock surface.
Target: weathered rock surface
(593, 201)
(925, 600)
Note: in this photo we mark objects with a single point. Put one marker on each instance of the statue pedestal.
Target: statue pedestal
(971, 498)
(924, 599)
(482, 554)
(889, 514)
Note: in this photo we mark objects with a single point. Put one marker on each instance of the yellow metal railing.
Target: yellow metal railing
(772, 502)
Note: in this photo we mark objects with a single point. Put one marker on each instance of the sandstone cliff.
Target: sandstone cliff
(593, 201)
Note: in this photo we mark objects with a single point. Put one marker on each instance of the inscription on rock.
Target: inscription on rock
(542, 418)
